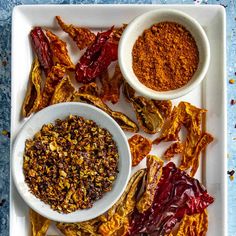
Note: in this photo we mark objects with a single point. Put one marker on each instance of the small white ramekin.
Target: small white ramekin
(145, 21)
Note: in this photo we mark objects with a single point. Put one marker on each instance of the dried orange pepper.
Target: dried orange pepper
(174, 148)
(59, 51)
(33, 94)
(139, 147)
(83, 37)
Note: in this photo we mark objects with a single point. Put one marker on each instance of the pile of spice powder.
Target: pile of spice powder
(70, 164)
(165, 56)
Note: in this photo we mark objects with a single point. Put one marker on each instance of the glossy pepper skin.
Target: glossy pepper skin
(42, 48)
(177, 194)
(97, 57)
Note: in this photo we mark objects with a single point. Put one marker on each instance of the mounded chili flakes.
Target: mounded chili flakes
(70, 164)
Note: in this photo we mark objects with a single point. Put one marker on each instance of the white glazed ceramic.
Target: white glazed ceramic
(210, 94)
(145, 21)
(61, 111)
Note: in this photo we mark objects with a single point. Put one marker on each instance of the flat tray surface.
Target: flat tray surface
(210, 94)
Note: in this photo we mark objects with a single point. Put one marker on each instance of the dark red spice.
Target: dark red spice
(97, 57)
(42, 48)
(231, 172)
(177, 194)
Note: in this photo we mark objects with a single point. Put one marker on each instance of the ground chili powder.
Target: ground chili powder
(165, 56)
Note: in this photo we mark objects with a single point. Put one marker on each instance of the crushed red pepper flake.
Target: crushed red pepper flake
(232, 102)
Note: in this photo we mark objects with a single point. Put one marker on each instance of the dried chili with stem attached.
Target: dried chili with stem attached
(83, 37)
(42, 48)
(97, 57)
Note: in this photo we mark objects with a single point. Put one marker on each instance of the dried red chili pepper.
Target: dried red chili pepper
(42, 48)
(177, 194)
(97, 57)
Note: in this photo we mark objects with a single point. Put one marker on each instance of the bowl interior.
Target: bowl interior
(61, 111)
(145, 21)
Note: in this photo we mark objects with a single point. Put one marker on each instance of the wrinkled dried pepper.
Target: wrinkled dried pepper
(42, 48)
(125, 122)
(153, 175)
(149, 118)
(59, 51)
(118, 214)
(97, 57)
(54, 77)
(194, 225)
(174, 148)
(83, 37)
(139, 148)
(39, 224)
(90, 88)
(177, 194)
(192, 151)
(111, 86)
(33, 94)
(63, 91)
(164, 107)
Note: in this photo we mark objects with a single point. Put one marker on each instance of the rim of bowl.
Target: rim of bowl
(44, 212)
(133, 80)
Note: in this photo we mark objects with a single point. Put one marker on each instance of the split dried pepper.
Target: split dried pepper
(52, 80)
(111, 86)
(59, 51)
(63, 91)
(153, 175)
(39, 224)
(33, 94)
(173, 149)
(139, 148)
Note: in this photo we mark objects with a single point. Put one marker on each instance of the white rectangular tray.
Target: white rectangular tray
(210, 94)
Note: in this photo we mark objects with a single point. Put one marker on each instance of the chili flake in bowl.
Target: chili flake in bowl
(71, 162)
(164, 54)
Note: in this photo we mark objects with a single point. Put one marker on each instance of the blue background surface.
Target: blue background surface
(5, 96)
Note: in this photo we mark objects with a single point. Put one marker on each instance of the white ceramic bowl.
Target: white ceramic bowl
(145, 21)
(61, 111)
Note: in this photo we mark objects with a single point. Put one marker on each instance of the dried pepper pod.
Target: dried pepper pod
(184, 114)
(154, 172)
(173, 149)
(196, 224)
(128, 92)
(54, 77)
(176, 194)
(111, 86)
(42, 48)
(39, 224)
(97, 57)
(83, 37)
(164, 107)
(63, 91)
(118, 215)
(33, 94)
(149, 118)
(86, 228)
(139, 148)
(59, 51)
(192, 152)
(125, 122)
(90, 88)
